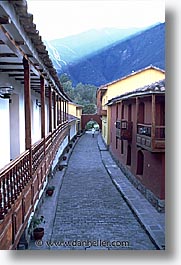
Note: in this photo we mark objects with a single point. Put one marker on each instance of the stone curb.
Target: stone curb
(142, 208)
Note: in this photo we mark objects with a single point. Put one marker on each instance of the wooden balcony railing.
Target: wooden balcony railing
(13, 180)
(103, 112)
(151, 138)
(21, 182)
(124, 130)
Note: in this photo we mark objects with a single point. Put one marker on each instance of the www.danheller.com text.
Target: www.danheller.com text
(82, 243)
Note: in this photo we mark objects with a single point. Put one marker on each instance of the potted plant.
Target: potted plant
(64, 158)
(68, 149)
(60, 167)
(50, 190)
(38, 232)
(70, 144)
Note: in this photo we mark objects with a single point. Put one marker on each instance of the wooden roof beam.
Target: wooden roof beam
(10, 63)
(5, 20)
(11, 70)
(18, 75)
(7, 55)
(7, 39)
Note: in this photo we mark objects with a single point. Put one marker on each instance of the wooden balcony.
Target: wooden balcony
(124, 130)
(151, 139)
(21, 182)
(103, 112)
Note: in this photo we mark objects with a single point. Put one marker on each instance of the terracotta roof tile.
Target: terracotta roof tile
(156, 87)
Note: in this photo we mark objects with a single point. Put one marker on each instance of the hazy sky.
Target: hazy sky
(60, 18)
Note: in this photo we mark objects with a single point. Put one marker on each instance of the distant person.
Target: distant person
(93, 132)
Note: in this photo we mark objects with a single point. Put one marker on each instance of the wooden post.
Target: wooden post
(60, 111)
(137, 110)
(137, 113)
(42, 90)
(54, 110)
(67, 110)
(27, 104)
(63, 110)
(58, 120)
(50, 109)
(153, 120)
(27, 107)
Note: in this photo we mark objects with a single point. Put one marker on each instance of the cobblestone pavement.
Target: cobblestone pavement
(91, 213)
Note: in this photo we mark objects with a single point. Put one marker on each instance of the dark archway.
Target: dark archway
(85, 118)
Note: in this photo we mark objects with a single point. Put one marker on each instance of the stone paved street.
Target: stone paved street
(90, 210)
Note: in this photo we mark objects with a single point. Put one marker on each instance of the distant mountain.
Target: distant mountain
(73, 48)
(98, 57)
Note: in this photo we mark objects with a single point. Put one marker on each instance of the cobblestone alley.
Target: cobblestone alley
(91, 213)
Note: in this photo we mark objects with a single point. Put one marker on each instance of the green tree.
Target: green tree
(81, 94)
(89, 109)
(64, 78)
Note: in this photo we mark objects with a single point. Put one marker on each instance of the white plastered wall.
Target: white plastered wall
(73, 129)
(4, 133)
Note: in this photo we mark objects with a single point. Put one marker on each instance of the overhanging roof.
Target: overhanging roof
(20, 38)
(131, 74)
(154, 88)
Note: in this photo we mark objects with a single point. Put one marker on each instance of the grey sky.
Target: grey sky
(57, 19)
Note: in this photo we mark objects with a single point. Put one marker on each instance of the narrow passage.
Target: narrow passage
(91, 213)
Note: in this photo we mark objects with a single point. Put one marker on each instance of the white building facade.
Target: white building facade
(34, 124)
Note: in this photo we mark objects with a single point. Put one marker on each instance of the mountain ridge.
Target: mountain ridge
(90, 41)
(117, 59)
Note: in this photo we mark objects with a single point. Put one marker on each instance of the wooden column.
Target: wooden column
(60, 111)
(153, 115)
(63, 110)
(42, 89)
(137, 111)
(58, 114)
(27, 107)
(121, 110)
(54, 110)
(27, 104)
(50, 109)
(67, 110)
